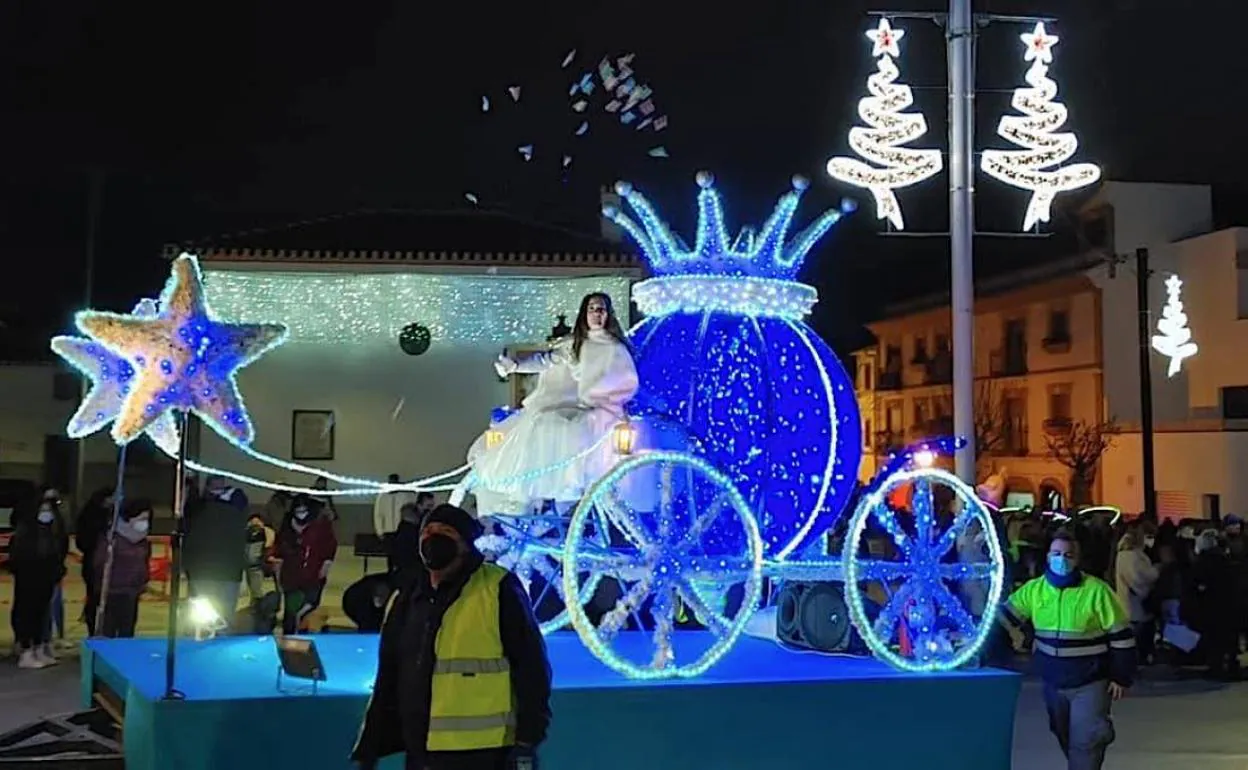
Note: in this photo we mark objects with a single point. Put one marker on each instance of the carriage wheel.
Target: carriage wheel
(682, 523)
(934, 612)
(531, 547)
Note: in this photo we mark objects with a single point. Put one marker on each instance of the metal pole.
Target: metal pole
(960, 42)
(175, 561)
(1146, 382)
(94, 194)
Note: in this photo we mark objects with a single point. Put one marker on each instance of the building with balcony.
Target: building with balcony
(1058, 343)
(1037, 369)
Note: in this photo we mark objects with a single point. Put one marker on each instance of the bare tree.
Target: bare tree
(1080, 449)
(992, 428)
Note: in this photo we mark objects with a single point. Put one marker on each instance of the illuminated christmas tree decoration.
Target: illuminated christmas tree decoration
(1026, 169)
(374, 308)
(725, 355)
(110, 376)
(1175, 339)
(184, 358)
(890, 166)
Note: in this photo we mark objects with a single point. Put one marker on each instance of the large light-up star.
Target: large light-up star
(110, 376)
(885, 39)
(1039, 44)
(185, 359)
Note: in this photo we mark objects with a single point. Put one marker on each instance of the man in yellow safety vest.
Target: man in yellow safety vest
(1084, 647)
(463, 681)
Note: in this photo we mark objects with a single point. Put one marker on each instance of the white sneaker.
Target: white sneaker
(44, 653)
(30, 659)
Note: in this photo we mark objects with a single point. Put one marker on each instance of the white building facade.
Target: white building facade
(343, 396)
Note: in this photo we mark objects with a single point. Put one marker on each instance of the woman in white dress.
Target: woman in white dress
(558, 444)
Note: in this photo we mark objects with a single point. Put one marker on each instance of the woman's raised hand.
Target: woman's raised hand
(504, 365)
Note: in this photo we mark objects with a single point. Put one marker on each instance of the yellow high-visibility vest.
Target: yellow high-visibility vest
(472, 706)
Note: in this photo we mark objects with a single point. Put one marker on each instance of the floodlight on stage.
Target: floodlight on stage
(298, 658)
(205, 619)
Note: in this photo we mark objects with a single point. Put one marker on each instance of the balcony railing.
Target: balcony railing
(888, 381)
(1056, 344)
(939, 370)
(1007, 363)
(1057, 426)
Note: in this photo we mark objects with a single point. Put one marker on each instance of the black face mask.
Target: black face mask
(438, 551)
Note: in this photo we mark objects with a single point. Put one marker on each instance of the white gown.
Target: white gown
(557, 445)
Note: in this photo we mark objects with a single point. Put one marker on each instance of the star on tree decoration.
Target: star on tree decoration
(1039, 45)
(110, 377)
(184, 358)
(885, 39)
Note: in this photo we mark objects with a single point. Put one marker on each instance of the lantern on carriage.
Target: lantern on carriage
(624, 438)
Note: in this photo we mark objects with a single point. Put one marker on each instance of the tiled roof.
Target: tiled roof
(458, 237)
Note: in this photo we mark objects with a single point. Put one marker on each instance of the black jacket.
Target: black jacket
(89, 530)
(397, 719)
(215, 547)
(39, 550)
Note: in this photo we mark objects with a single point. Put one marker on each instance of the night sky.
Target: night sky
(208, 118)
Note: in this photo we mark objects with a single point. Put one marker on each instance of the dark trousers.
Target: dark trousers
(494, 759)
(1145, 639)
(298, 603)
(93, 596)
(32, 607)
(121, 614)
(1079, 717)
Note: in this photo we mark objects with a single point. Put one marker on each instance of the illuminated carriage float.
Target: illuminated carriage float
(739, 455)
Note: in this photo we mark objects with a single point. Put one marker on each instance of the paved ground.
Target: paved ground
(1166, 724)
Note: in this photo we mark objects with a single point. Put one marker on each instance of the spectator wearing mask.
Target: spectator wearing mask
(1208, 604)
(214, 552)
(90, 527)
(130, 573)
(387, 507)
(458, 615)
(1084, 647)
(1135, 576)
(37, 554)
(305, 547)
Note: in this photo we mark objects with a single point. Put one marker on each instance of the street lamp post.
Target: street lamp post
(960, 37)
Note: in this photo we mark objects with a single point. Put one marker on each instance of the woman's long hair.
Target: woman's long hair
(580, 329)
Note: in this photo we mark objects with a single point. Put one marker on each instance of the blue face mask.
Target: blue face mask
(1061, 565)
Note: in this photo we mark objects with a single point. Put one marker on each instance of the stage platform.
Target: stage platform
(761, 708)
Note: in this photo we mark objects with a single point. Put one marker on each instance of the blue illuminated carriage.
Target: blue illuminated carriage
(745, 442)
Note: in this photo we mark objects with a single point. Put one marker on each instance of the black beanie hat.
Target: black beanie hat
(457, 518)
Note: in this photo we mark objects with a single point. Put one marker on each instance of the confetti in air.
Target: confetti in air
(397, 409)
(612, 87)
(471, 198)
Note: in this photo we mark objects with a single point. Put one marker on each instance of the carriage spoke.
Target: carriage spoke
(625, 606)
(693, 538)
(704, 613)
(665, 502)
(663, 610)
(882, 570)
(888, 520)
(924, 512)
(950, 537)
(966, 571)
(953, 607)
(886, 622)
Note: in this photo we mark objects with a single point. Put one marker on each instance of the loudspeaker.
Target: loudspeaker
(815, 616)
